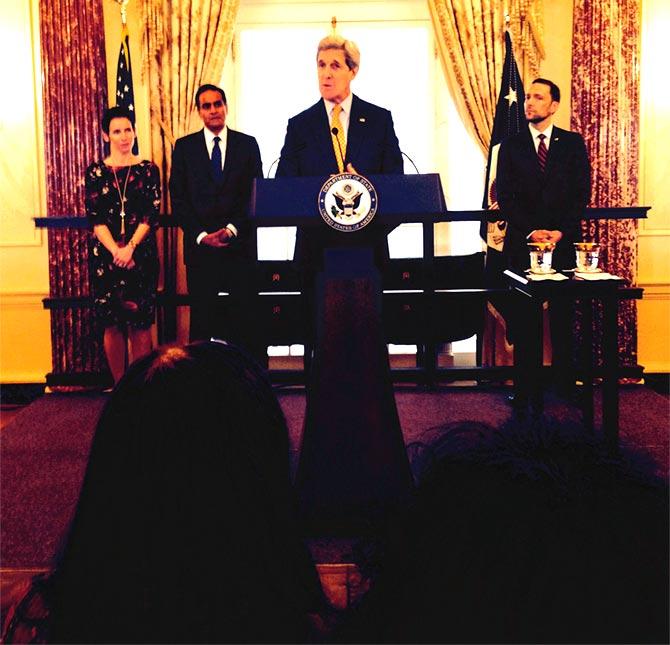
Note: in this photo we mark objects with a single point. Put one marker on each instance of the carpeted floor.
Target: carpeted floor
(44, 449)
(43, 454)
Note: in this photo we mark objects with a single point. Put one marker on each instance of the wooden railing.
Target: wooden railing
(422, 296)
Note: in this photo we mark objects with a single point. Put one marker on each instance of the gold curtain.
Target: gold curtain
(605, 109)
(72, 44)
(470, 42)
(185, 45)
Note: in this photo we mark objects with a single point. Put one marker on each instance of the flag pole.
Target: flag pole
(508, 120)
(123, 4)
(125, 94)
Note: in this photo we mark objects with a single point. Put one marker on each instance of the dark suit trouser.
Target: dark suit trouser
(230, 317)
(524, 324)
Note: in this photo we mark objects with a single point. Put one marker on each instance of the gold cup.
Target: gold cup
(586, 256)
(540, 256)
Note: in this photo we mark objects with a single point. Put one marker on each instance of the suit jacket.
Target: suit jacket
(554, 199)
(372, 145)
(200, 203)
(372, 148)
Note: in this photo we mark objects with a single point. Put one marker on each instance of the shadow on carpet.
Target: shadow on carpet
(44, 450)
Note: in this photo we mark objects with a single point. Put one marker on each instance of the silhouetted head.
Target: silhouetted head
(524, 535)
(184, 530)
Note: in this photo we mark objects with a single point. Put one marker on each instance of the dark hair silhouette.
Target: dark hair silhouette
(554, 90)
(209, 87)
(523, 535)
(184, 531)
(116, 112)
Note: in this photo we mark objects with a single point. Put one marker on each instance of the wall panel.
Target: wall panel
(24, 275)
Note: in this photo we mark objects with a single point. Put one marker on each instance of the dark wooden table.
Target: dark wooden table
(582, 293)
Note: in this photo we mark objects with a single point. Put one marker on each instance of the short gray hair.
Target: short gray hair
(352, 55)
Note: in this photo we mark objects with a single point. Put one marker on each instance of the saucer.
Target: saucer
(541, 272)
(597, 270)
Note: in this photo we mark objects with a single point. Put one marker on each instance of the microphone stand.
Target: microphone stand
(272, 165)
(335, 132)
(410, 160)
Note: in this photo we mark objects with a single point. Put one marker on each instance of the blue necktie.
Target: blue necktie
(217, 168)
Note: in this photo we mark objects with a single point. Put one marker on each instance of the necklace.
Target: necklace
(122, 197)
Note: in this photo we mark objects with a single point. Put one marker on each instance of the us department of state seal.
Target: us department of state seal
(347, 202)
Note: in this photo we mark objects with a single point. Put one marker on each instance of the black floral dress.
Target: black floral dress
(110, 285)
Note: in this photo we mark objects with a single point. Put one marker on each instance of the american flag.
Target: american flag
(125, 97)
(509, 119)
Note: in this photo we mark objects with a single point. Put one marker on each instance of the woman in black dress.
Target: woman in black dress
(122, 202)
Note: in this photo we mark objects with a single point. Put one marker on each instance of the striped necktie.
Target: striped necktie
(542, 152)
(339, 143)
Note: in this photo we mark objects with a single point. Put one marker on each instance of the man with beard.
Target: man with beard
(543, 183)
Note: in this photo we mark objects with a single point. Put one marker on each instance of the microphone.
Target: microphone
(410, 160)
(335, 132)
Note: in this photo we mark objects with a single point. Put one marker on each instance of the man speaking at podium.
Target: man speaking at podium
(352, 457)
(340, 125)
(340, 133)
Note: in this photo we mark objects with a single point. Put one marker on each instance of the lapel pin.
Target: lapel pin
(361, 119)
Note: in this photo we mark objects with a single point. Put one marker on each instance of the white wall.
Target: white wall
(25, 351)
(654, 233)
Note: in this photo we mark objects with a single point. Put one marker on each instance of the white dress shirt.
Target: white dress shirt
(223, 145)
(209, 142)
(535, 133)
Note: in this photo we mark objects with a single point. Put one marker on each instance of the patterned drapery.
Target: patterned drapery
(471, 45)
(74, 96)
(185, 45)
(605, 109)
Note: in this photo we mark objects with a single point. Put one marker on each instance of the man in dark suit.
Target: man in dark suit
(210, 187)
(340, 133)
(351, 433)
(543, 187)
(371, 145)
(542, 205)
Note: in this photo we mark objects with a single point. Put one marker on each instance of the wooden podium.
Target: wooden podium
(353, 463)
